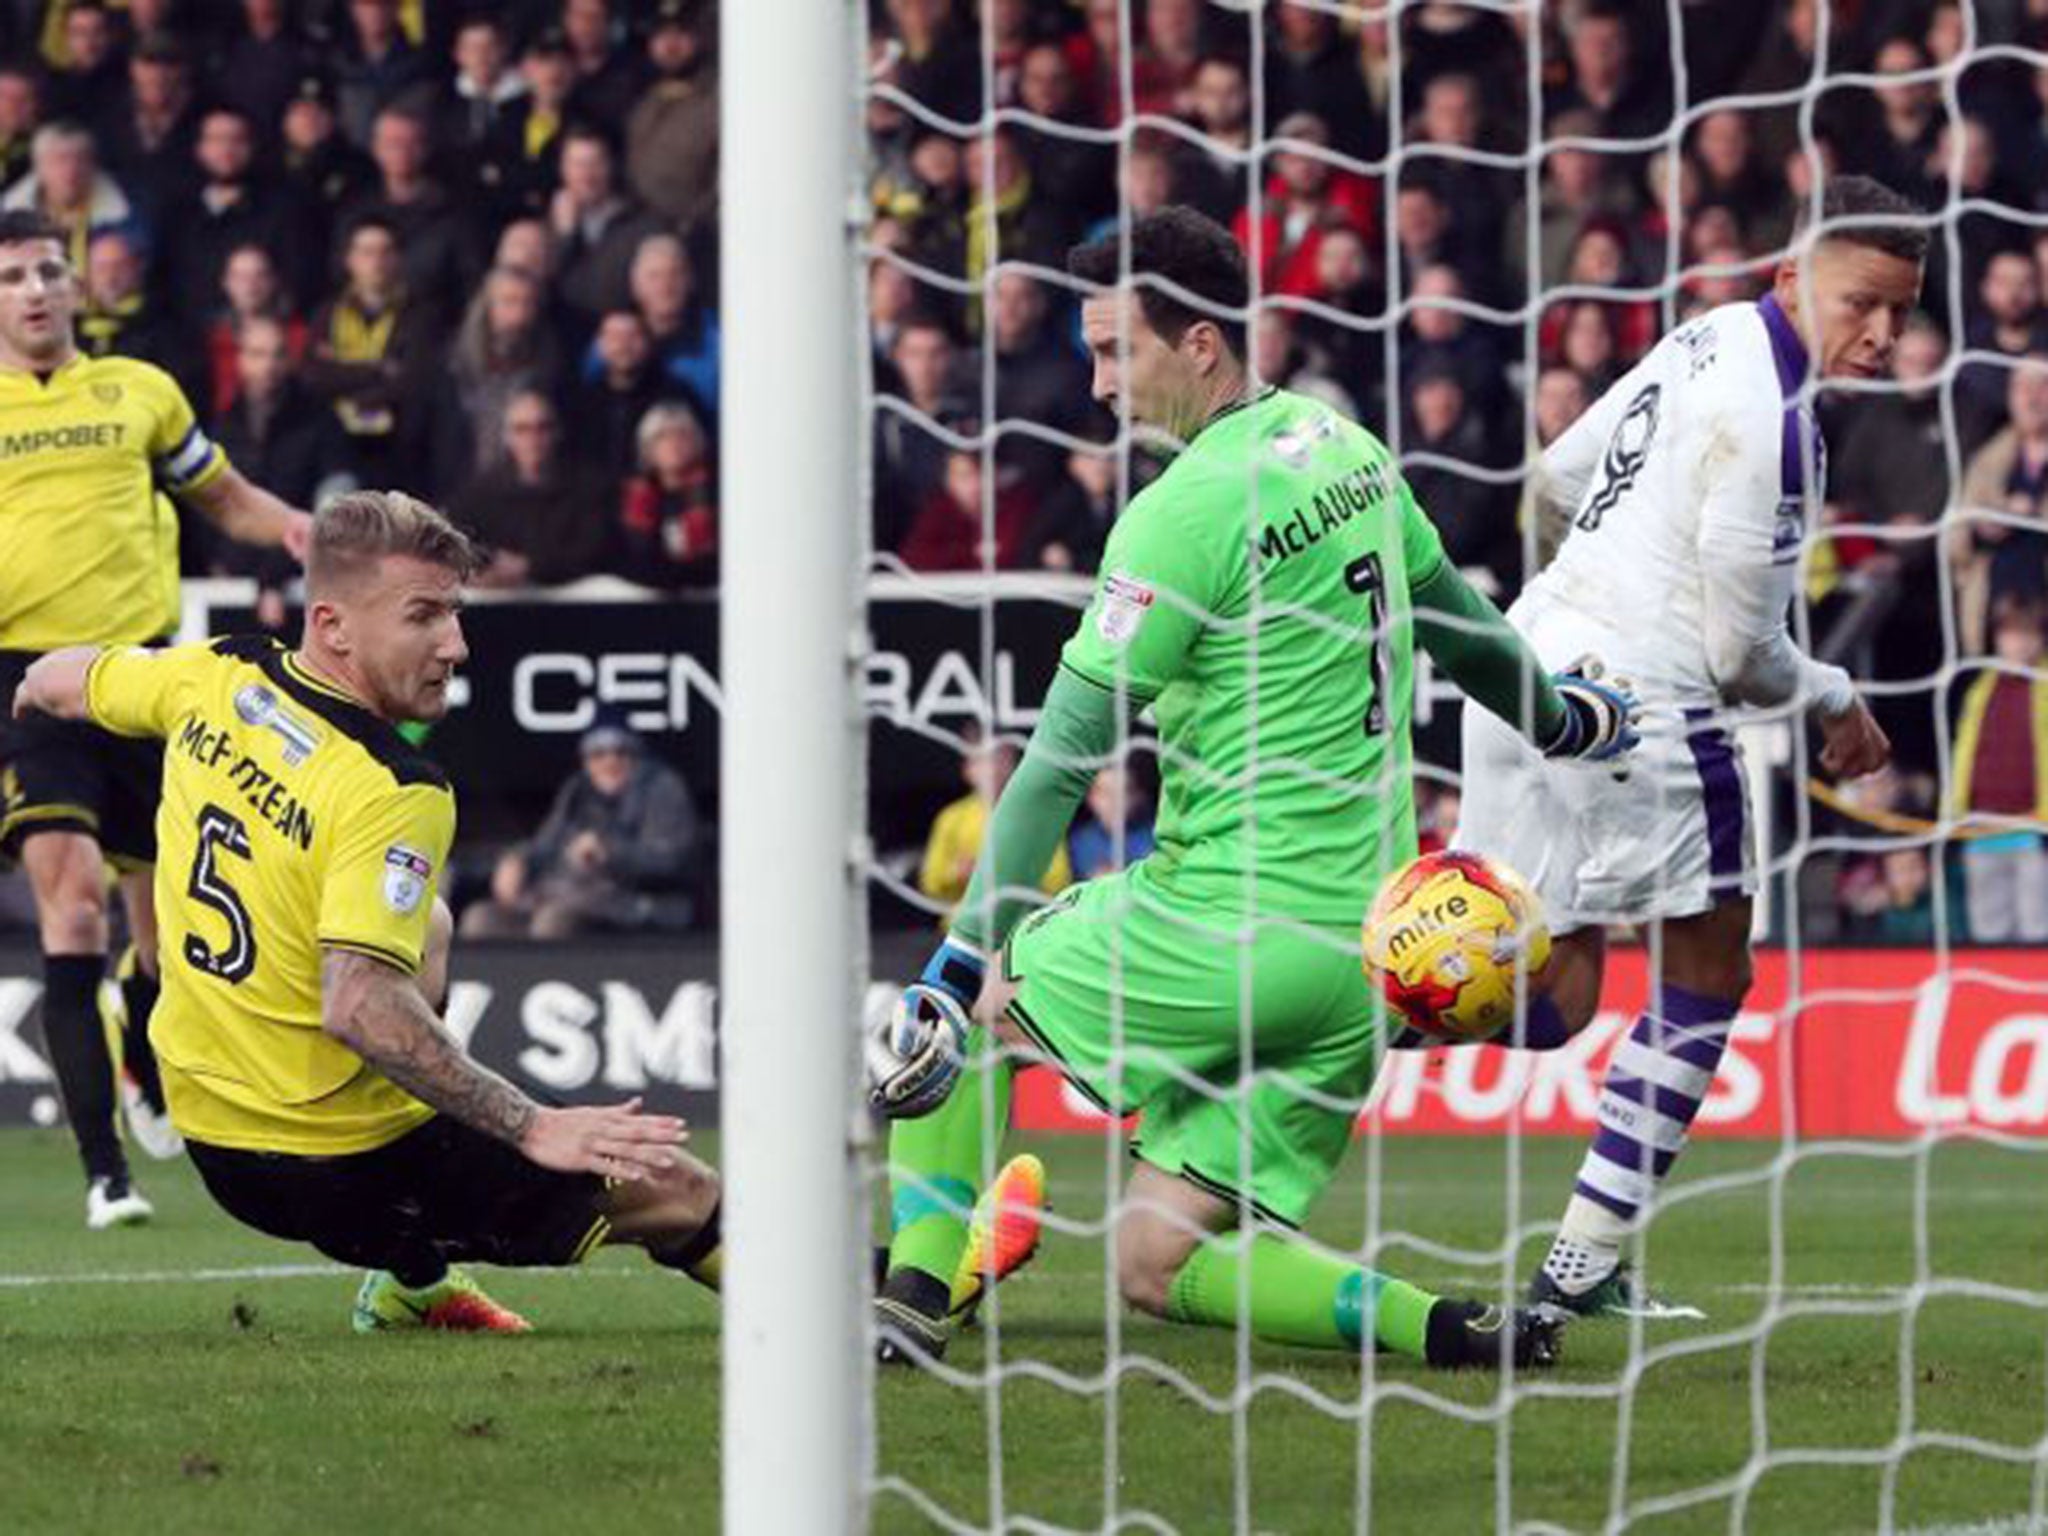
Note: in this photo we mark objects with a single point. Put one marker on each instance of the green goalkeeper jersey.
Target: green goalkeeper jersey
(1257, 594)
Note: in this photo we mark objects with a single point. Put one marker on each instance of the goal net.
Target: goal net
(1463, 223)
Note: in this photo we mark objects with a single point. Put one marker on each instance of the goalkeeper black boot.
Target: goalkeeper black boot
(1621, 1292)
(1471, 1335)
(910, 1318)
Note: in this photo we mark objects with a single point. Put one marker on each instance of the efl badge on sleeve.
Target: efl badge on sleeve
(406, 873)
(1125, 600)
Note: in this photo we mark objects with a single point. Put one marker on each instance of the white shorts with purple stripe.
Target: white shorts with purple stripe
(1672, 839)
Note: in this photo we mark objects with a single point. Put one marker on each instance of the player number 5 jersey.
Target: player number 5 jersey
(293, 821)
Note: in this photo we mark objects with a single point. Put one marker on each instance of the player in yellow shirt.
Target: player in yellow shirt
(302, 841)
(88, 449)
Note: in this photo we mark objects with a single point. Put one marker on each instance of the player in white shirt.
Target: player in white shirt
(1688, 486)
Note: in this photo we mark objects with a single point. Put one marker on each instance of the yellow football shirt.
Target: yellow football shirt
(91, 541)
(293, 821)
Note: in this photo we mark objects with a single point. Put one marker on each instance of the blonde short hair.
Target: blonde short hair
(353, 532)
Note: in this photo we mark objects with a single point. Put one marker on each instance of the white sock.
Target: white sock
(1588, 1246)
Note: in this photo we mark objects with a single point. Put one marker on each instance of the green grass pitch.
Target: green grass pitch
(149, 1380)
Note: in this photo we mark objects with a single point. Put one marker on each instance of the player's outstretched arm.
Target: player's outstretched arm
(55, 684)
(244, 511)
(377, 1011)
(918, 1054)
(1575, 714)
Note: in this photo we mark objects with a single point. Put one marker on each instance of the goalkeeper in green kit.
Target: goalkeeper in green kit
(1262, 597)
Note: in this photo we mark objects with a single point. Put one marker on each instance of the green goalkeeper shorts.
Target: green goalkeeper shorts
(1247, 1050)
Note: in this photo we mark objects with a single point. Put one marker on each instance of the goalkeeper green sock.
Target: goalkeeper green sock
(1299, 1296)
(936, 1164)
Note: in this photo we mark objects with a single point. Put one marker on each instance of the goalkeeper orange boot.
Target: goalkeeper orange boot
(1003, 1233)
(455, 1303)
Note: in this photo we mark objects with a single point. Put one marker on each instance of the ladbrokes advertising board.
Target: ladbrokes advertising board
(1864, 1043)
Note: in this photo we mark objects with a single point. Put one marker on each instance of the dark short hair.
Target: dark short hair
(1876, 217)
(1188, 249)
(18, 225)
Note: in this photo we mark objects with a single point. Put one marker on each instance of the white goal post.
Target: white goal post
(793, 1439)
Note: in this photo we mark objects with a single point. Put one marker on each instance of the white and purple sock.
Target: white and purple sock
(1655, 1084)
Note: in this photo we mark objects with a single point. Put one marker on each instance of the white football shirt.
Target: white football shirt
(1687, 486)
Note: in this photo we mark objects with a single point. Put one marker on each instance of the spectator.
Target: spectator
(1072, 523)
(437, 240)
(1893, 901)
(148, 142)
(1447, 36)
(1027, 226)
(682, 327)
(369, 350)
(618, 852)
(1440, 333)
(1892, 466)
(1305, 198)
(66, 185)
(606, 410)
(1041, 380)
(250, 289)
(1076, 174)
(1147, 182)
(379, 68)
(937, 63)
(1731, 174)
(1561, 399)
(1436, 814)
(599, 227)
(1609, 76)
(1998, 544)
(1342, 349)
(1215, 171)
(1422, 235)
(1575, 188)
(1449, 130)
(892, 299)
(1309, 69)
(1115, 829)
(1999, 776)
(503, 347)
(669, 515)
(909, 458)
(119, 318)
(543, 518)
(672, 130)
(283, 438)
(607, 76)
(259, 69)
(1279, 357)
(954, 845)
(1584, 342)
(519, 165)
(229, 206)
(1470, 514)
(21, 113)
(955, 531)
(323, 172)
(86, 87)
(475, 103)
(1169, 54)
(1909, 121)
(2009, 324)
(927, 194)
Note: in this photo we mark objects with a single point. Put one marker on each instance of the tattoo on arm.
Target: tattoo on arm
(377, 1011)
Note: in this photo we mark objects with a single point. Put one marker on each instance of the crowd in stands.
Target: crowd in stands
(1468, 223)
(464, 250)
(471, 251)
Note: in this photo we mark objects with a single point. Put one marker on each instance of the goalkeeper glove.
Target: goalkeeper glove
(916, 1054)
(1600, 714)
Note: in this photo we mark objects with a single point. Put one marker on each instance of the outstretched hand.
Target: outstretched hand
(616, 1141)
(1853, 743)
